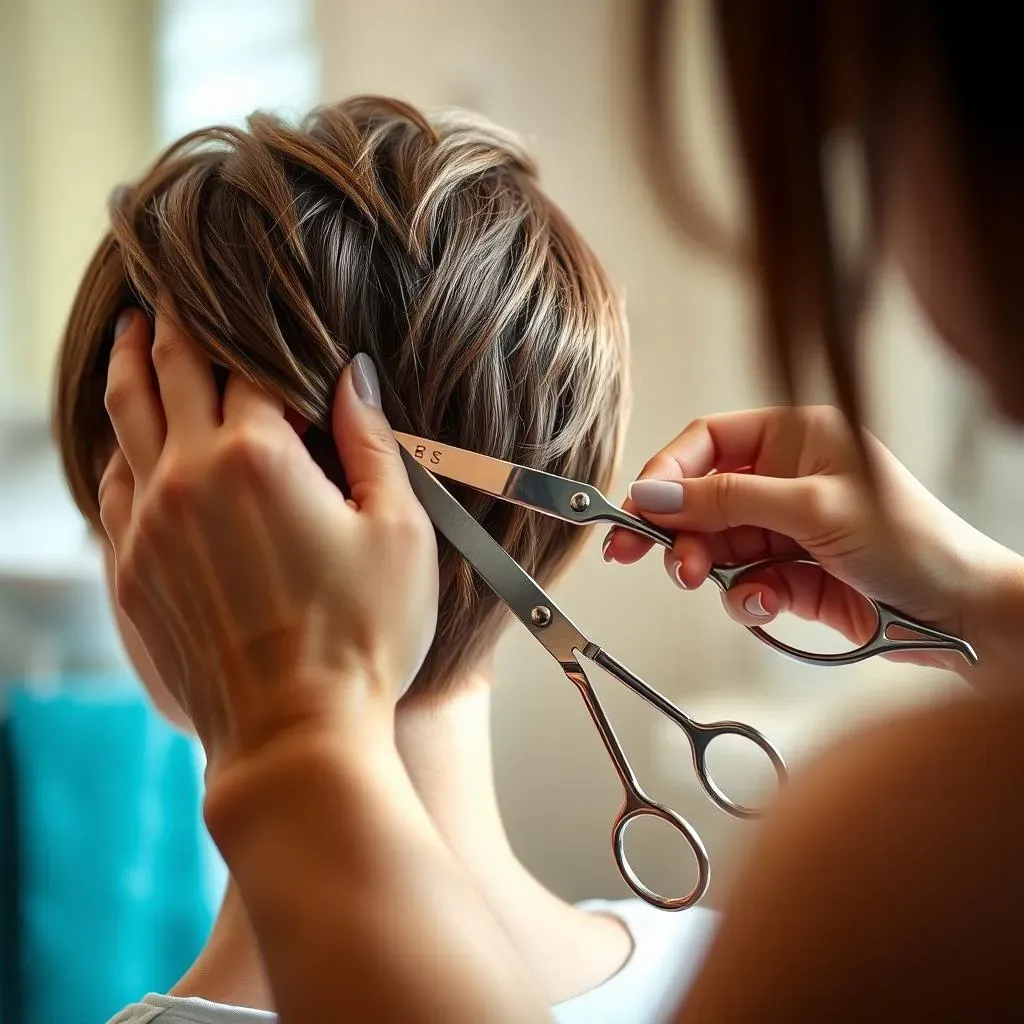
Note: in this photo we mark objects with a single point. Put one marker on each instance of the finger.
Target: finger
(366, 445)
(723, 443)
(726, 442)
(754, 604)
(624, 546)
(797, 508)
(131, 398)
(688, 562)
(727, 547)
(744, 544)
(246, 402)
(741, 544)
(807, 591)
(184, 375)
(692, 453)
(116, 493)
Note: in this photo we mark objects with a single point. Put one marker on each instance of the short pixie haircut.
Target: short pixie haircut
(424, 242)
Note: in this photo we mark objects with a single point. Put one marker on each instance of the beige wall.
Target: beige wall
(76, 115)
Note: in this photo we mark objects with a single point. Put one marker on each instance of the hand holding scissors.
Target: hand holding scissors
(582, 504)
(734, 487)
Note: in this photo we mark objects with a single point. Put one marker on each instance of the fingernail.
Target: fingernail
(658, 496)
(677, 575)
(755, 606)
(606, 543)
(365, 379)
(123, 322)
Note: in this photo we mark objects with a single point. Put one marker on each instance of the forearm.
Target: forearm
(357, 904)
(994, 622)
(886, 884)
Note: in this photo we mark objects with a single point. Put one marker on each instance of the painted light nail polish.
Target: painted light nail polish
(677, 575)
(365, 379)
(755, 606)
(123, 322)
(606, 543)
(662, 497)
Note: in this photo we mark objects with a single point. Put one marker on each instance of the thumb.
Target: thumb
(709, 504)
(366, 446)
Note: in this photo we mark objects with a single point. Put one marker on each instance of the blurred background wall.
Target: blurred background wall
(90, 88)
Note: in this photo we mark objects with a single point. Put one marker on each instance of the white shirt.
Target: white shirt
(668, 948)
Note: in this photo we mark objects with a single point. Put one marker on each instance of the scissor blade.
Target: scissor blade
(572, 501)
(481, 472)
(495, 566)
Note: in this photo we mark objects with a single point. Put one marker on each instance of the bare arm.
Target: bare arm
(888, 884)
(886, 887)
(286, 621)
(359, 908)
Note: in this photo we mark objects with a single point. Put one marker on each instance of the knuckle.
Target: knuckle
(176, 484)
(408, 524)
(701, 425)
(421, 524)
(117, 396)
(380, 440)
(247, 453)
(165, 351)
(724, 498)
(829, 419)
(660, 466)
(817, 503)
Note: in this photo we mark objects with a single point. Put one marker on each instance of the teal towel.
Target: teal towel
(10, 1001)
(119, 881)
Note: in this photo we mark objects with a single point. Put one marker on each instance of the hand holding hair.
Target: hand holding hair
(287, 620)
(267, 601)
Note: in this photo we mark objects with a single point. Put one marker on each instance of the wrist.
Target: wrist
(301, 742)
(313, 711)
(292, 785)
(994, 619)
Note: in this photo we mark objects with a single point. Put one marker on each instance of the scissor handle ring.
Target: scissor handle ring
(930, 639)
(637, 807)
(702, 736)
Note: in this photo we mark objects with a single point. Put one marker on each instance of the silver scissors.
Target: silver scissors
(564, 642)
(583, 504)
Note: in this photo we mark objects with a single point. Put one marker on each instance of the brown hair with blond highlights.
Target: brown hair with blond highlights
(426, 243)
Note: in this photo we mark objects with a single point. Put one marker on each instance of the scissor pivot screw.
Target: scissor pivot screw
(579, 502)
(540, 615)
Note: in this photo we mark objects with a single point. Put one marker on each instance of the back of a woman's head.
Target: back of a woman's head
(428, 244)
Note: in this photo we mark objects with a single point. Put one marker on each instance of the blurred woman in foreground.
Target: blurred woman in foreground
(886, 884)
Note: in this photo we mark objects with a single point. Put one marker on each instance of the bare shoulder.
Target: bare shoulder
(889, 883)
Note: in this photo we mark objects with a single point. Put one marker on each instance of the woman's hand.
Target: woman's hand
(266, 601)
(745, 485)
(287, 621)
